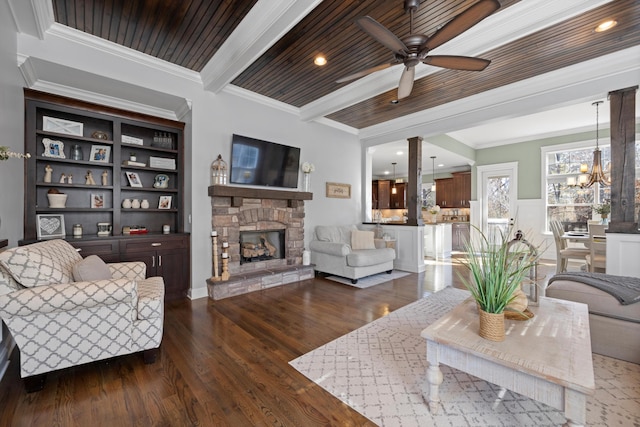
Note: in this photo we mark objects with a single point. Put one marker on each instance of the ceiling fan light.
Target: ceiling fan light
(606, 25)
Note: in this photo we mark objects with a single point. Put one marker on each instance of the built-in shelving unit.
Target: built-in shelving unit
(66, 136)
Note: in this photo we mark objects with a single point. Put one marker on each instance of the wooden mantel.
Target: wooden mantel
(239, 193)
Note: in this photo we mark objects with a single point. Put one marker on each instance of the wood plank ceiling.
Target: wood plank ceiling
(189, 33)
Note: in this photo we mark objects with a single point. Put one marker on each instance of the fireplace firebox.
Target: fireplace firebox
(261, 245)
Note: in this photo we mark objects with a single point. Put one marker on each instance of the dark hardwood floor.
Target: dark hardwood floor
(222, 363)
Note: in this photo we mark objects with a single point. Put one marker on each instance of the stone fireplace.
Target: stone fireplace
(265, 232)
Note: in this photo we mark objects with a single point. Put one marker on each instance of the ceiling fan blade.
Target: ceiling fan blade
(365, 72)
(457, 62)
(382, 34)
(462, 23)
(406, 82)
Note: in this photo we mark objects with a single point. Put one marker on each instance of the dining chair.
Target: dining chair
(597, 258)
(563, 252)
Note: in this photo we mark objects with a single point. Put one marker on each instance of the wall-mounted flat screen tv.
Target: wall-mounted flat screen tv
(258, 162)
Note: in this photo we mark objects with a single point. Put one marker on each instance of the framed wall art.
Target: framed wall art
(50, 226)
(100, 153)
(338, 191)
(53, 148)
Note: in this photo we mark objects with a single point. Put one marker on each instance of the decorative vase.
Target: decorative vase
(306, 182)
(604, 219)
(491, 325)
(135, 204)
(57, 200)
(126, 203)
(144, 204)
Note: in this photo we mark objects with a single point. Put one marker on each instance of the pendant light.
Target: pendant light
(597, 173)
(433, 165)
(394, 190)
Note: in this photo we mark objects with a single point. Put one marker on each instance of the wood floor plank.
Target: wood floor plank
(221, 363)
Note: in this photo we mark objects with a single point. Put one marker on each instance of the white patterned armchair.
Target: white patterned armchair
(63, 310)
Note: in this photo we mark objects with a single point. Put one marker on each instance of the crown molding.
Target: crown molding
(264, 25)
(44, 16)
(123, 52)
(595, 76)
(28, 70)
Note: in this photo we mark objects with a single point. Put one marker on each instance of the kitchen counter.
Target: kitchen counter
(437, 240)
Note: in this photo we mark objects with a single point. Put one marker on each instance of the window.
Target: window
(572, 205)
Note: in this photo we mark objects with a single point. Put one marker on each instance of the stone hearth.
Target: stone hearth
(236, 209)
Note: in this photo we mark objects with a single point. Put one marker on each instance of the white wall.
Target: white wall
(11, 135)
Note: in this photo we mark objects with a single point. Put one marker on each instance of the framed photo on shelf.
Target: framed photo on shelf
(100, 153)
(50, 226)
(53, 148)
(164, 202)
(134, 179)
(97, 200)
(338, 191)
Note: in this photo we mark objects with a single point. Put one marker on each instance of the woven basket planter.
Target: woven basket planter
(491, 325)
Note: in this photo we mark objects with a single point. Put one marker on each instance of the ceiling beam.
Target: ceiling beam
(515, 22)
(263, 26)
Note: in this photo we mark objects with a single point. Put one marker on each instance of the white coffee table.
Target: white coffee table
(547, 358)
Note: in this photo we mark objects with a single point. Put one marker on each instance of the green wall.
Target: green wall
(528, 156)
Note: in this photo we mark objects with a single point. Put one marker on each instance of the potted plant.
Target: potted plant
(497, 272)
(603, 210)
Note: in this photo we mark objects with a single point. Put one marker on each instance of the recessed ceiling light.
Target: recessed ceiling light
(440, 165)
(400, 153)
(606, 25)
(386, 172)
(320, 60)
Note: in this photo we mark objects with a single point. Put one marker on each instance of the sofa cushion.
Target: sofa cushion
(7, 282)
(335, 233)
(362, 240)
(366, 257)
(91, 268)
(599, 302)
(42, 263)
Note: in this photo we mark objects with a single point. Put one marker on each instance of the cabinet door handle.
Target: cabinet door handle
(153, 261)
(159, 260)
(156, 244)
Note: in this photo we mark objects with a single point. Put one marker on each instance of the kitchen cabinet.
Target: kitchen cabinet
(454, 192)
(399, 200)
(381, 198)
(459, 235)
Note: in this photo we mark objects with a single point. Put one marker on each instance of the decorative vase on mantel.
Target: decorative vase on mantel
(306, 182)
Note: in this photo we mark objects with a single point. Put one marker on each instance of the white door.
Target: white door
(497, 193)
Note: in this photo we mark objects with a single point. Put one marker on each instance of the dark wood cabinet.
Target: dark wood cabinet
(72, 138)
(444, 192)
(454, 192)
(399, 199)
(166, 256)
(382, 196)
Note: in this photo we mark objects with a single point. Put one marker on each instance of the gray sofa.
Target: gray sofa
(346, 251)
(614, 327)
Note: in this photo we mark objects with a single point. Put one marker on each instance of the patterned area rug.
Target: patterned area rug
(367, 282)
(380, 371)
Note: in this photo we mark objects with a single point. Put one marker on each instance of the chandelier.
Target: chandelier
(597, 172)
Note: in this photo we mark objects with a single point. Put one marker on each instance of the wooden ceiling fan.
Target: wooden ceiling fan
(414, 49)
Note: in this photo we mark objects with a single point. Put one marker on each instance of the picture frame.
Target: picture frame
(134, 179)
(165, 202)
(50, 226)
(337, 190)
(97, 200)
(52, 148)
(67, 127)
(100, 153)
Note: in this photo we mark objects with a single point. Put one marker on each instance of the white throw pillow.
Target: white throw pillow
(91, 268)
(362, 240)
